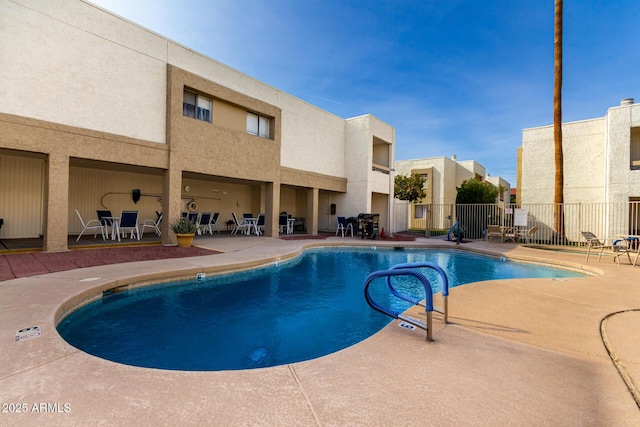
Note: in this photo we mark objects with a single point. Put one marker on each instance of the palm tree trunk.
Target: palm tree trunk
(557, 122)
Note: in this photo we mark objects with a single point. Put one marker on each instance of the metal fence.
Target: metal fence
(605, 220)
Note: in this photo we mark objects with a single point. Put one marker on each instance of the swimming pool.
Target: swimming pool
(301, 309)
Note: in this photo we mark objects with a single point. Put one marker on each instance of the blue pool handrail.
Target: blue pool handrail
(445, 286)
(396, 314)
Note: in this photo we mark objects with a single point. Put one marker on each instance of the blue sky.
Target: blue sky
(457, 77)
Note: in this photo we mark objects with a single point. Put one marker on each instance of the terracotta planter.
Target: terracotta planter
(185, 240)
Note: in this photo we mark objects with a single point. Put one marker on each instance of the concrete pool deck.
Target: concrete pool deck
(518, 352)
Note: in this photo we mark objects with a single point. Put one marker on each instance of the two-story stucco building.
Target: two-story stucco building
(601, 166)
(442, 177)
(601, 159)
(93, 107)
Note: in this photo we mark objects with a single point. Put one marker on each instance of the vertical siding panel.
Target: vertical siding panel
(93, 189)
(21, 196)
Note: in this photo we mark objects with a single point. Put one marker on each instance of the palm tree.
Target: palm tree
(557, 122)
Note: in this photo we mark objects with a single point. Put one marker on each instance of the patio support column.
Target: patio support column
(313, 197)
(56, 203)
(272, 209)
(171, 203)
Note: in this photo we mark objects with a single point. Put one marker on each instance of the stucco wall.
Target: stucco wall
(121, 90)
(99, 73)
(622, 182)
(584, 163)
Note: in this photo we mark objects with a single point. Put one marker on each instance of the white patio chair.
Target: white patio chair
(238, 226)
(91, 225)
(153, 224)
(343, 226)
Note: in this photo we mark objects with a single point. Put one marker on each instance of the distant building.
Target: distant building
(442, 177)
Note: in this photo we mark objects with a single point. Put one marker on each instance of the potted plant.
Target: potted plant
(185, 231)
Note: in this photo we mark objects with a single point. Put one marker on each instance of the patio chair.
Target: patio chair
(238, 226)
(493, 232)
(283, 223)
(214, 222)
(508, 233)
(106, 219)
(153, 224)
(204, 224)
(259, 225)
(128, 223)
(527, 234)
(621, 247)
(91, 225)
(344, 226)
(593, 243)
(193, 217)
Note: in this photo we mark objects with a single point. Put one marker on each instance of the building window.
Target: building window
(425, 177)
(635, 148)
(196, 106)
(420, 211)
(258, 125)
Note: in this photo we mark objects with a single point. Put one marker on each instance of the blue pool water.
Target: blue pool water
(299, 310)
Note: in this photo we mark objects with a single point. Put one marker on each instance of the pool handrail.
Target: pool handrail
(396, 314)
(445, 286)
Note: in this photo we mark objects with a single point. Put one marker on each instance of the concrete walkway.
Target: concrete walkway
(525, 352)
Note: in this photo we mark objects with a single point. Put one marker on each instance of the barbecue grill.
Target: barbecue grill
(368, 225)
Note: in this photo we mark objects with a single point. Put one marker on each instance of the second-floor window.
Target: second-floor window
(258, 125)
(196, 106)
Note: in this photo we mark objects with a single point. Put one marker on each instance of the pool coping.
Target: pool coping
(48, 370)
